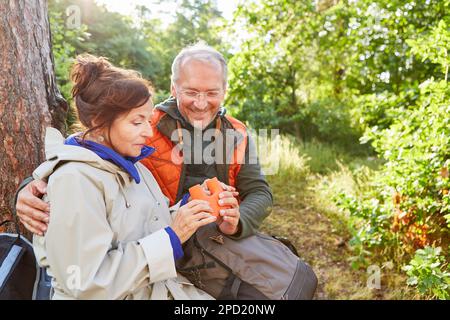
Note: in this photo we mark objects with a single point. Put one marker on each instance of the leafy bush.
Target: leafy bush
(430, 273)
(409, 204)
(64, 51)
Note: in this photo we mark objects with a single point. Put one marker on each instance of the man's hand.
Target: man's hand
(228, 221)
(32, 211)
(230, 217)
(190, 217)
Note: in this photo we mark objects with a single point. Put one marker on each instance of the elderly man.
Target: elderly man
(195, 141)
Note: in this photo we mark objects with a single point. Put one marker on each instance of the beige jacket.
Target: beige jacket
(106, 237)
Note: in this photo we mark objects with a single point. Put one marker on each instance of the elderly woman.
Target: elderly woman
(111, 234)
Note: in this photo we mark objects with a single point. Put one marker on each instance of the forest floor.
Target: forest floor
(321, 236)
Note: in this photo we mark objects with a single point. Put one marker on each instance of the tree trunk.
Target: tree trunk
(29, 98)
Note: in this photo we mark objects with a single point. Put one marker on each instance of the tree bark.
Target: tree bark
(29, 98)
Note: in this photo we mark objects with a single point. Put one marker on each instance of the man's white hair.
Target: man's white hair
(200, 52)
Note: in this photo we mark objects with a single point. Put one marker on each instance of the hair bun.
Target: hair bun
(86, 69)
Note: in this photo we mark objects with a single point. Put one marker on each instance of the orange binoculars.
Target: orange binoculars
(214, 186)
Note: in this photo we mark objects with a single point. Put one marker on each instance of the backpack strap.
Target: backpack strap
(231, 289)
(235, 287)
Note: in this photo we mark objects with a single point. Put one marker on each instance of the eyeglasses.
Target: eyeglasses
(194, 94)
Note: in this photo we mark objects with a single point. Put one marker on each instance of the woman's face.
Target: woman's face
(129, 132)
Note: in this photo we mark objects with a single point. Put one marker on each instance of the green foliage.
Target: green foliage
(434, 47)
(148, 45)
(108, 34)
(417, 147)
(266, 77)
(145, 44)
(429, 272)
(64, 41)
(378, 32)
(328, 71)
(288, 76)
(381, 70)
(194, 20)
(410, 200)
(368, 223)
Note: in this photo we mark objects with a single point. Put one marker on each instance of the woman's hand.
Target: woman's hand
(190, 217)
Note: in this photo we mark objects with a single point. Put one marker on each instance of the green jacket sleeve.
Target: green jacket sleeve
(255, 193)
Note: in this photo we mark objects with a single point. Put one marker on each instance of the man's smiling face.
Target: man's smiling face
(200, 90)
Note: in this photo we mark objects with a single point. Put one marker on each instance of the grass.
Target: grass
(308, 176)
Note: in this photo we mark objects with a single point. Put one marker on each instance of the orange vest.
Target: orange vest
(166, 163)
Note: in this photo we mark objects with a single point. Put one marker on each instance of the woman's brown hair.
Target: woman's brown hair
(102, 92)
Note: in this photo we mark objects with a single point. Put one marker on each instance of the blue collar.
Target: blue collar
(126, 163)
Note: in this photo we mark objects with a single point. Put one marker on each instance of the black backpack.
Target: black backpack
(21, 278)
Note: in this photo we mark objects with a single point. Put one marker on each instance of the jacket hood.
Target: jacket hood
(57, 153)
(170, 107)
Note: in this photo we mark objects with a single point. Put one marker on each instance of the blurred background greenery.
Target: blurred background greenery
(359, 90)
